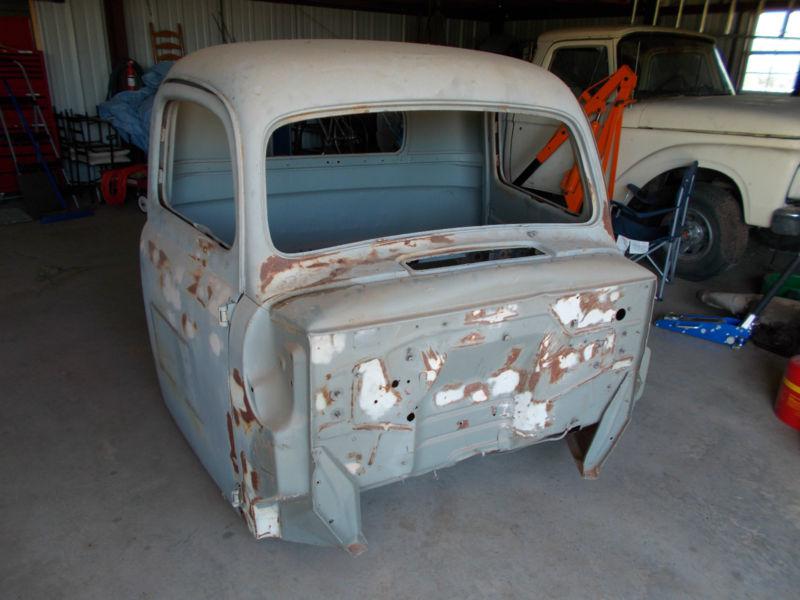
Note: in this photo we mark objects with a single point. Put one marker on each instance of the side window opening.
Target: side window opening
(580, 67)
(554, 179)
(199, 183)
(441, 174)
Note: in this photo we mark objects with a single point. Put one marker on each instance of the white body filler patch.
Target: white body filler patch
(529, 416)
(504, 383)
(495, 316)
(435, 362)
(479, 396)
(445, 397)
(266, 521)
(375, 396)
(325, 347)
(320, 402)
(215, 342)
(569, 310)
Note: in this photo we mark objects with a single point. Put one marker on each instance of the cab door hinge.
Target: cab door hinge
(226, 313)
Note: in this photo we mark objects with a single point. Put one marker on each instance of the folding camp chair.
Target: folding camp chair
(649, 234)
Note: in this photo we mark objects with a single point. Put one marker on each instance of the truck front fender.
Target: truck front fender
(760, 174)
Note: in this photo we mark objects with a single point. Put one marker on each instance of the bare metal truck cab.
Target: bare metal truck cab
(344, 289)
(747, 146)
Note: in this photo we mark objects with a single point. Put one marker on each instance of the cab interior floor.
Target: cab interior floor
(102, 497)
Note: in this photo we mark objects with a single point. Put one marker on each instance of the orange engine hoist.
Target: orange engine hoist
(603, 104)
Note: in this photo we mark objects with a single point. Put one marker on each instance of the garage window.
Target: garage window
(198, 179)
(774, 59)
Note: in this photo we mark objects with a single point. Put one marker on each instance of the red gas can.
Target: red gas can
(787, 406)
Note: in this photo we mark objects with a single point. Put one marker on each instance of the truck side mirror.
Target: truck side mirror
(786, 221)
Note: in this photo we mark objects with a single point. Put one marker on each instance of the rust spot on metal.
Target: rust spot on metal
(473, 388)
(247, 415)
(456, 385)
(232, 443)
(328, 424)
(188, 326)
(607, 221)
(484, 316)
(354, 456)
(591, 300)
(193, 287)
(511, 358)
(557, 361)
(254, 479)
(272, 267)
(433, 363)
(160, 260)
(472, 339)
(327, 377)
(463, 424)
(567, 357)
(475, 316)
(522, 384)
(205, 245)
(441, 239)
(244, 462)
(374, 450)
(326, 393)
(356, 549)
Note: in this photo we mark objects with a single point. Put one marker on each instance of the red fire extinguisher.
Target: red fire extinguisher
(787, 406)
(130, 76)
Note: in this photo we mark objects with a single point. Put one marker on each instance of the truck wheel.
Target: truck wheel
(714, 235)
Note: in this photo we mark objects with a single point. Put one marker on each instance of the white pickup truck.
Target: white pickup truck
(748, 146)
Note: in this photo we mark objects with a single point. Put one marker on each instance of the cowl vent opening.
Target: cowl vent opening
(475, 256)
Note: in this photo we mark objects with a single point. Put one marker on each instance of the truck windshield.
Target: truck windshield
(674, 65)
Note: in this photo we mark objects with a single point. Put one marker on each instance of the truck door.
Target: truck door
(190, 266)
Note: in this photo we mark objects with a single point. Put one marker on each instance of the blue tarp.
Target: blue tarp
(129, 112)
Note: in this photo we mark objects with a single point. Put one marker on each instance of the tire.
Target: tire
(715, 235)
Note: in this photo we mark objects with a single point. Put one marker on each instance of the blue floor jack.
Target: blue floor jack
(729, 331)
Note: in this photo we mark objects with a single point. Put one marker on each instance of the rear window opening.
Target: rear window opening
(466, 258)
(349, 134)
(353, 178)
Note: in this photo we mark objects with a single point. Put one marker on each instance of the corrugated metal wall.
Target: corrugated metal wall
(74, 36)
(76, 52)
(246, 20)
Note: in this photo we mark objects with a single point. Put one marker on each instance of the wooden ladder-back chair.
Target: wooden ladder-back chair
(166, 44)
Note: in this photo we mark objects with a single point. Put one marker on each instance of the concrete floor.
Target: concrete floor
(102, 498)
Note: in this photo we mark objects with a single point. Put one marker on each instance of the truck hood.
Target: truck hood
(763, 116)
